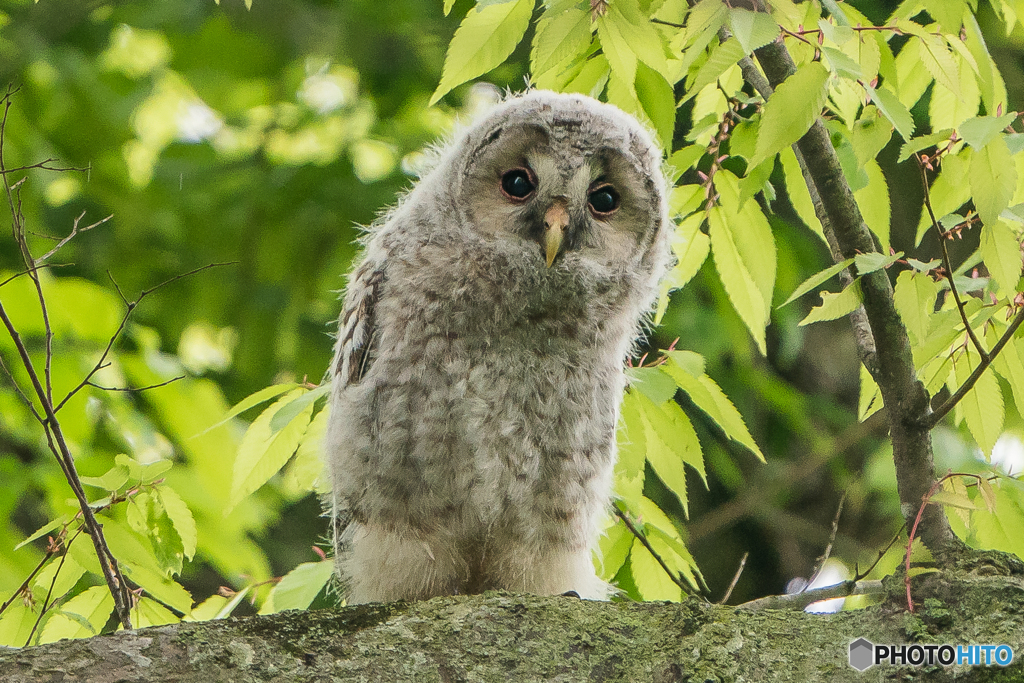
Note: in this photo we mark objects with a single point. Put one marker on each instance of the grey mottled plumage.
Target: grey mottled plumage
(480, 354)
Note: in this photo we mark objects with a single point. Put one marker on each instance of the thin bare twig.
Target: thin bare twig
(735, 579)
(132, 389)
(798, 601)
(858, 575)
(74, 231)
(820, 562)
(130, 307)
(945, 258)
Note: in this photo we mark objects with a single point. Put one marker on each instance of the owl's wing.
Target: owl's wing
(357, 326)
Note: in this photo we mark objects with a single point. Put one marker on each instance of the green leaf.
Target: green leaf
(915, 298)
(752, 29)
(651, 580)
(892, 109)
(291, 409)
(652, 383)
(1001, 251)
(632, 448)
(874, 204)
(816, 280)
(298, 588)
(613, 546)
(448, 4)
(111, 480)
(43, 530)
(710, 398)
(940, 63)
(684, 159)
(993, 178)
(923, 142)
(948, 191)
(659, 103)
(722, 58)
(791, 110)
(744, 253)
(306, 470)
(484, 39)
(264, 452)
(870, 397)
(671, 441)
(1009, 363)
(148, 612)
(835, 305)
(80, 617)
(982, 407)
(871, 133)
(560, 39)
(251, 401)
(799, 195)
(181, 518)
(872, 261)
(57, 578)
(980, 130)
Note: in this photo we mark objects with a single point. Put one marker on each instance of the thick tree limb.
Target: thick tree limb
(504, 637)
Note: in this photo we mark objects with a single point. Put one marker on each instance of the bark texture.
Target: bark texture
(507, 638)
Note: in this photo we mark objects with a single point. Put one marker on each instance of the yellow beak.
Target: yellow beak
(556, 219)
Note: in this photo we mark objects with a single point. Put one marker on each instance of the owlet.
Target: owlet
(479, 362)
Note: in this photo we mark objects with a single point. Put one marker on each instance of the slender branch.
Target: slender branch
(858, 575)
(133, 389)
(945, 258)
(798, 601)
(686, 588)
(74, 231)
(735, 579)
(935, 417)
(820, 562)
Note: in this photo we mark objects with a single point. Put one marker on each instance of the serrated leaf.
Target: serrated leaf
(982, 407)
(799, 195)
(710, 398)
(873, 201)
(1001, 252)
(111, 480)
(650, 578)
(181, 517)
(939, 61)
(915, 297)
(1009, 363)
(80, 617)
(263, 452)
(306, 470)
(923, 142)
(948, 191)
(993, 178)
(658, 101)
(752, 29)
(842, 64)
(894, 110)
(290, 410)
(251, 401)
(744, 252)
(560, 39)
(652, 383)
(987, 494)
(671, 441)
(690, 361)
(632, 448)
(484, 39)
(835, 305)
(148, 612)
(298, 588)
(613, 547)
(57, 578)
(791, 110)
(979, 131)
(724, 56)
(43, 530)
(923, 267)
(816, 280)
(870, 399)
(153, 471)
(684, 159)
(953, 500)
(872, 261)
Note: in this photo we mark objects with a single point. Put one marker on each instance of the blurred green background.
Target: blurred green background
(265, 137)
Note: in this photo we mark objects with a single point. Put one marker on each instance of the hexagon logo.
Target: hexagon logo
(862, 653)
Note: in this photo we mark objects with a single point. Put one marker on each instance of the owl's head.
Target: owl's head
(568, 178)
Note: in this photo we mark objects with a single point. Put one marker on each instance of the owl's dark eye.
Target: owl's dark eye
(604, 199)
(516, 184)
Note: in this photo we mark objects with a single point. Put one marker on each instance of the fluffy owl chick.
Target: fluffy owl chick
(479, 362)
